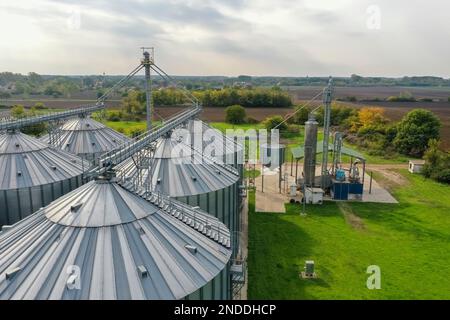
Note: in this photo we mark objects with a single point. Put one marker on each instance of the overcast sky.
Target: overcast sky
(228, 37)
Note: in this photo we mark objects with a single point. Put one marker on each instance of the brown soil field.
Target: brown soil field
(365, 93)
(394, 110)
(218, 114)
(208, 114)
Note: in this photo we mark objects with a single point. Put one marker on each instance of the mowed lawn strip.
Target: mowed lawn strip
(410, 241)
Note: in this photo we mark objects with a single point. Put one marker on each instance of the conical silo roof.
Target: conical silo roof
(25, 162)
(177, 170)
(101, 241)
(84, 135)
(225, 148)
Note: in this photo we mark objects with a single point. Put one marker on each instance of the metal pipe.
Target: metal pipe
(327, 97)
(309, 160)
(148, 89)
(262, 178)
(292, 163)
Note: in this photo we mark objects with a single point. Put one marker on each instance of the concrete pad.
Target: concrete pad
(378, 193)
(270, 199)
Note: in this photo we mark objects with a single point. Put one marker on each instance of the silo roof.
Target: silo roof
(25, 162)
(87, 136)
(177, 170)
(299, 151)
(101, 241)
(215, 139)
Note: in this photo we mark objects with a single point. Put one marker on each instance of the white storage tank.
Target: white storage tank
(33, 174)
(102, 242)
(272, 155)
(87, 138)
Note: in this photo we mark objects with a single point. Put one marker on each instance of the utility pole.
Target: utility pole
(148, 53)
(327, 97)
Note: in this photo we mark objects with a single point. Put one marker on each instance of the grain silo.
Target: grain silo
(85, 137)
(226, 149)
(101, 242)
(33, 174)
(272, 155)
(178, 171)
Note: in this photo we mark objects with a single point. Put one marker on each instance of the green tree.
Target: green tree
(132, 104)
(415, 130)
(235, 114)
(36, 129)
(18, 111)
(39, 106)
(4, 95)
(301, 114)
(275, 122)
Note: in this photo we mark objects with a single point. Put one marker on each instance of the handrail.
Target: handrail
(128, 149)
(20, 123)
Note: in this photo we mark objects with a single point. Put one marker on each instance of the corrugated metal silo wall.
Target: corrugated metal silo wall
(16, 204)
(217, 289)
(222, 204)
(226, 205)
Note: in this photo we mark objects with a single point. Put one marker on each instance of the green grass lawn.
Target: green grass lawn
(410, 241)
(127, 127)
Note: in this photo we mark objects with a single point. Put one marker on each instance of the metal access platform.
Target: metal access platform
(20, 123)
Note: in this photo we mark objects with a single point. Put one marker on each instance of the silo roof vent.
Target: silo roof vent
(143, 272)
(11, 273)
(6, 227)
(76, 207)
(192, 249)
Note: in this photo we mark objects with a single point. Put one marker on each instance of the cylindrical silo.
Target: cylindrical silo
(85, 137)
(272, 155)
(214, 143)
(103, 242)
(33, 174)
(226, 149)
(309, 163)
(180, 172)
